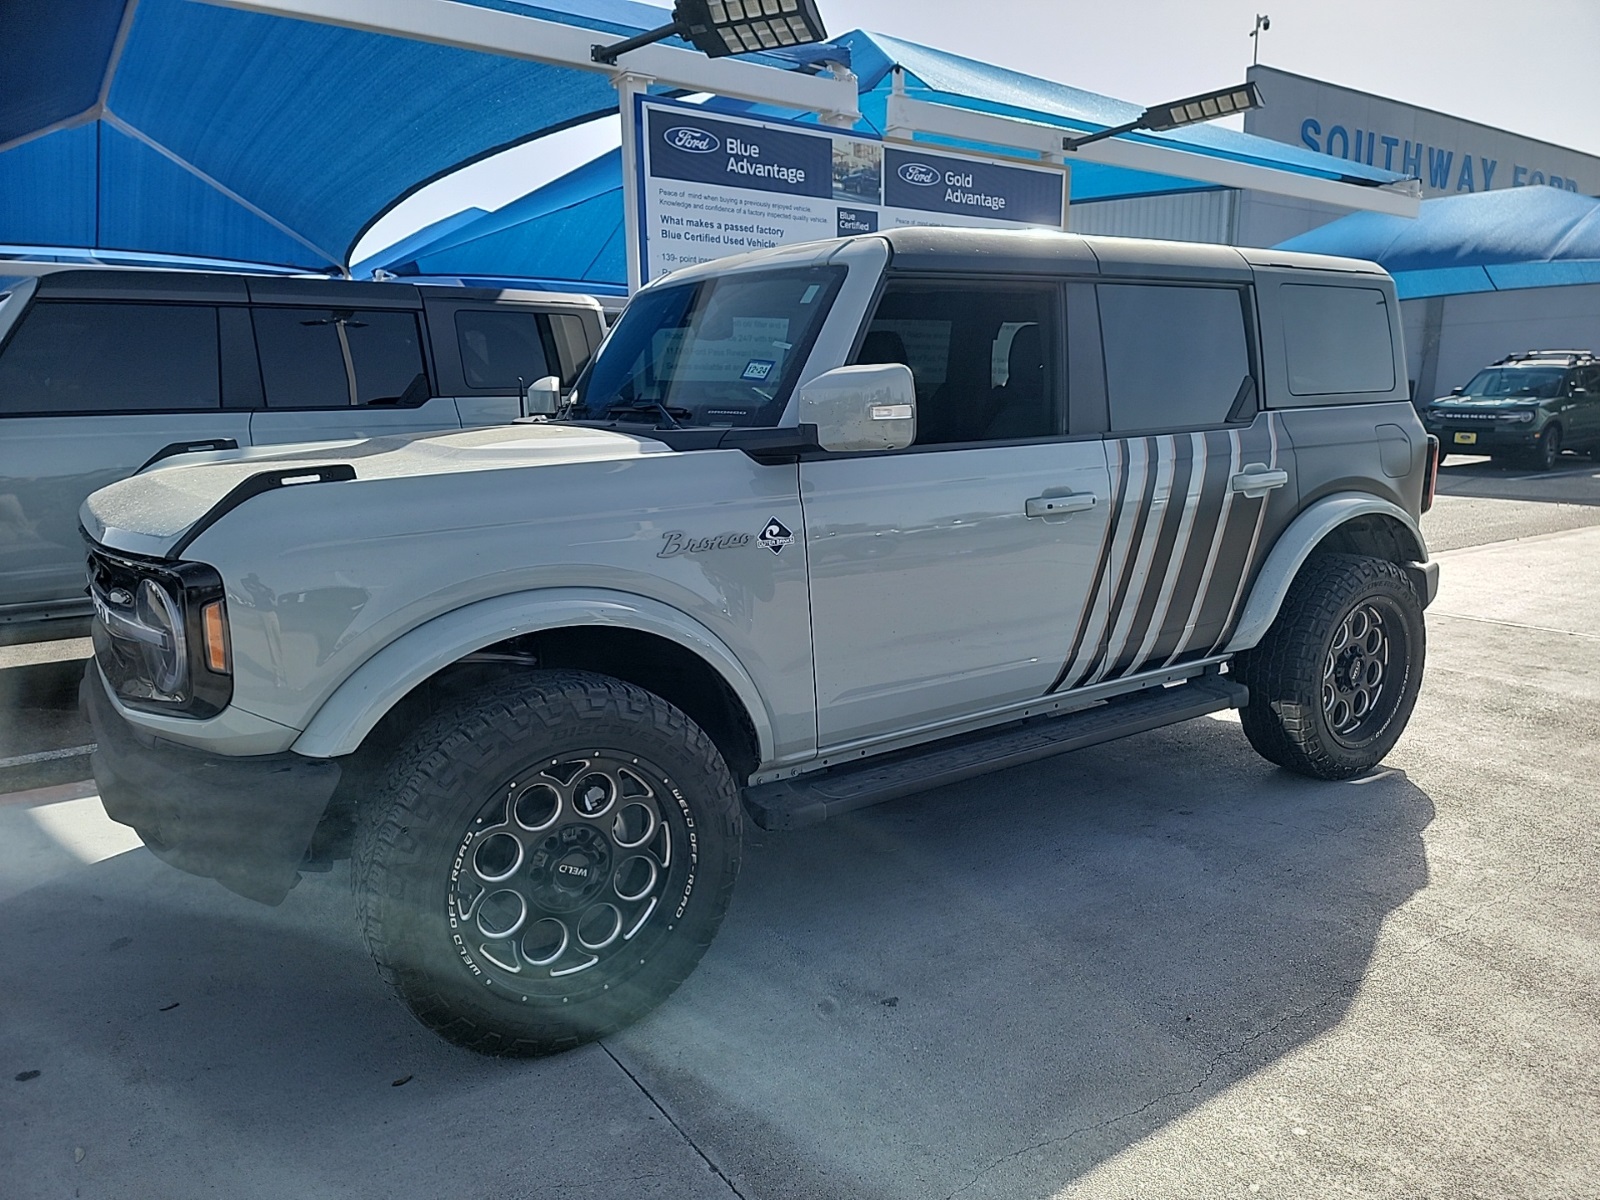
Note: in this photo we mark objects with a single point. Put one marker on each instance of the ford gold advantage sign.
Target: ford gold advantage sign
(715, 185)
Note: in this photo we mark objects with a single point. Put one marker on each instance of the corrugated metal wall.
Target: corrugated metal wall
(1210, 216)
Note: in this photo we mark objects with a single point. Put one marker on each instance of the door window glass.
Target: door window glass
(1336, 339)
(982, 356)
(94, 357)
(500, 349)
(1176, 357)
(332, 358)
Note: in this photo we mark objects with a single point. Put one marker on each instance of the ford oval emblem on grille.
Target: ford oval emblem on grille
(687, 137)
(919, 174)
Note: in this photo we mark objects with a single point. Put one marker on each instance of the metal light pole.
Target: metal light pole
(1262, 23)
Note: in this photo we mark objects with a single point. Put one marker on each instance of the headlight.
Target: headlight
(1521, 418)
(161, 634)
(166, 658)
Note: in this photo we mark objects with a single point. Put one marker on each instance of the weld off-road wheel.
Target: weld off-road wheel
(1334, 681)
(545, 864)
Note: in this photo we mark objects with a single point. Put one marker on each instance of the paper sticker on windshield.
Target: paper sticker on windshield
(758, 368)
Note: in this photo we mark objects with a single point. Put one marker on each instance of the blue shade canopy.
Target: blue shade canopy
(569, 233)
(1489, 241)
(176, 127)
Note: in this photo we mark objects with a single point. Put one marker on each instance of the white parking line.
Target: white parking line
(24, 760)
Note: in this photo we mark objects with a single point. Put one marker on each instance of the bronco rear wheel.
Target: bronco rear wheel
(1334, 680)
(546, 864)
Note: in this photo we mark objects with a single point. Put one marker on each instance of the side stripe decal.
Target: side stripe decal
(1154, 607)
(1089, 620)
(1176, 554)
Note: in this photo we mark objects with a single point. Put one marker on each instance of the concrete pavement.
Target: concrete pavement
(1158, 967)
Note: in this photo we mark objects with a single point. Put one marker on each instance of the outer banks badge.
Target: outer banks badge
(775, 535)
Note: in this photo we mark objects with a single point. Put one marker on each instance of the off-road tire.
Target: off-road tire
(1288, 718)
(449, 802)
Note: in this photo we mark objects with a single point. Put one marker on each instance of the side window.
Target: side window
(109, 357)
(983, 356)
(572, 344)
(500, 347)
(332, 358)
(1177, 357)
(1336, 339)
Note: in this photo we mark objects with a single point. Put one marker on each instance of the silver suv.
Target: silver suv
(819, 527)
(103, 370)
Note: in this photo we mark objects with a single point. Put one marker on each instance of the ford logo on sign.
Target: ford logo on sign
(686, 137)
(920, 174)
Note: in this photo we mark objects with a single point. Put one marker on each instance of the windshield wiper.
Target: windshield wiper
(651, 408)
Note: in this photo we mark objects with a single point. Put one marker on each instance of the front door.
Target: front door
(952, 577)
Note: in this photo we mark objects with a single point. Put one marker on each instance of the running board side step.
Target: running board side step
(811, 799)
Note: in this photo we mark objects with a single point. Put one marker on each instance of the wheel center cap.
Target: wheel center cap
(569, 868)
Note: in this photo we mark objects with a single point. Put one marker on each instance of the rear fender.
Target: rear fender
(363, 699)
(1297, 543)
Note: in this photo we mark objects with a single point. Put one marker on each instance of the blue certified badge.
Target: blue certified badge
(758, 368)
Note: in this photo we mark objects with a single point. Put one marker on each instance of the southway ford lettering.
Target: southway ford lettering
(1446, 170)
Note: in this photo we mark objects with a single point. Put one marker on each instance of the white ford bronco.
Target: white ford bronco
(819, 527)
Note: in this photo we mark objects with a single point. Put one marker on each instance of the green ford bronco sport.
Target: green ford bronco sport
(819, 527)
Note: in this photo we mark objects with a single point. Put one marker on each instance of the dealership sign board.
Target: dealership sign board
(1448, 154)
(712, 185)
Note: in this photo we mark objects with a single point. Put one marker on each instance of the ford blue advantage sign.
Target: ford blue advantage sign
(690, 147)
(938, 183)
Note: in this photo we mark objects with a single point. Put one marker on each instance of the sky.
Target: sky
(1528, 66)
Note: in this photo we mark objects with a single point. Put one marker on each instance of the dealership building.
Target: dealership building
(1449, 155)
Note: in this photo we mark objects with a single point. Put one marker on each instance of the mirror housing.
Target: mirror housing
(542, 397)
(1457, 391)
(868, 407)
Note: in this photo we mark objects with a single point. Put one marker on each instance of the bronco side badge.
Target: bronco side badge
(775, 536)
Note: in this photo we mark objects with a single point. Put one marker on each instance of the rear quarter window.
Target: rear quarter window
(1336, 340)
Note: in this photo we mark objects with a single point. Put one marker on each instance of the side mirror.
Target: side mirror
(1458, 391)
(870, 407)
(542, 397)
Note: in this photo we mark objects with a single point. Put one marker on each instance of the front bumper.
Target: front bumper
(245, 822)
(1487, 438)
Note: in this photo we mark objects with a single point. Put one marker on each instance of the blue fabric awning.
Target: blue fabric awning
(570, 232)
(180, 128)
(1491, 241)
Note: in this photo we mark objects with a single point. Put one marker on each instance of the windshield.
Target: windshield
(719, 352)
(1542, 383)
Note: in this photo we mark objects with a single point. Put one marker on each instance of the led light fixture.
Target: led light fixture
(718, 28)
(1190, 111)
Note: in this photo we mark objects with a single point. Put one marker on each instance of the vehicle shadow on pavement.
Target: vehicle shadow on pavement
(995, 989)
(988, 990)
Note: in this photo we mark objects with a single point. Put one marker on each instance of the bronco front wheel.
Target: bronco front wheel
(546, 864)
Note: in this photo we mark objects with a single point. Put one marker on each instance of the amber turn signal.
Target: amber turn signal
(216, 637)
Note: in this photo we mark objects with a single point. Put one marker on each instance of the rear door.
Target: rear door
(1194, 470)
(949, 579)
(90, 389)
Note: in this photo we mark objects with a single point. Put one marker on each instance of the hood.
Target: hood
(1487, 401)
(162, 508)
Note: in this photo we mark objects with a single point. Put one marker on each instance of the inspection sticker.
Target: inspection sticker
(758, 368)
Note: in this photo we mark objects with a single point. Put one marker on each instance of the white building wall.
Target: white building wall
(1448, 338)
(1208, 216)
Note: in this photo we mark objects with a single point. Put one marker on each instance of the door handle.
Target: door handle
(1257, 481)
(1058, 506)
